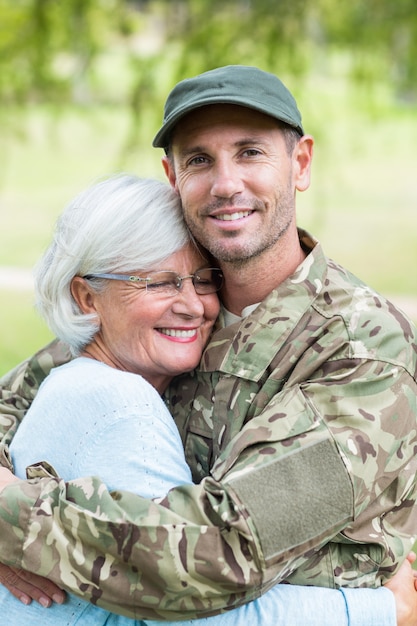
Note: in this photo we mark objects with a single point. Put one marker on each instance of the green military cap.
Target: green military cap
(233, 84)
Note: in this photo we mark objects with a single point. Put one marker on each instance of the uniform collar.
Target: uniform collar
(246, 347)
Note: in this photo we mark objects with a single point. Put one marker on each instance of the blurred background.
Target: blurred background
(82, 87)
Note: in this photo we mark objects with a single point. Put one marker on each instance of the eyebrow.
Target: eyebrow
(188, 151)
(245, 141)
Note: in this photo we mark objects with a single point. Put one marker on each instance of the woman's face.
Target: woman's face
(155, 335)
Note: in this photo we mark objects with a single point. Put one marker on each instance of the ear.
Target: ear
(169, 171)
(83, 295)
(302, 156)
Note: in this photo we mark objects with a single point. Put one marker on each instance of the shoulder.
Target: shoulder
(373, 324)
(88, 380)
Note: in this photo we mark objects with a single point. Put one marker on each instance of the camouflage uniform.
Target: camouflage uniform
(301, 423)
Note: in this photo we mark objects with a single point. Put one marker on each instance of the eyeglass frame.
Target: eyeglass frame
(179, 279)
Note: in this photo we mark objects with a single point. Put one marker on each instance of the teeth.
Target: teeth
(233, 216)
(171, 332)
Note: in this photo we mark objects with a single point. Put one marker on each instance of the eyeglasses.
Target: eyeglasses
(168, 283)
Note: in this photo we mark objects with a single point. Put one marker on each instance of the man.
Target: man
(300, 423)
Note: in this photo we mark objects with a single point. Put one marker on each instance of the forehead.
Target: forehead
(219, 117)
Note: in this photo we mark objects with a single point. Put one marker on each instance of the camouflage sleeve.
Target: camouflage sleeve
(128, 554)
(262, 515)
(18, 388)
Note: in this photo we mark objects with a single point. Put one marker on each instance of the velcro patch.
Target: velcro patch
(297, 498)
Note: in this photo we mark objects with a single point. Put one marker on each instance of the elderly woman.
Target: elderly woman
(127, 288)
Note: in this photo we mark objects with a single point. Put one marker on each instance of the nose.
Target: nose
(226, 179)
(187, 301)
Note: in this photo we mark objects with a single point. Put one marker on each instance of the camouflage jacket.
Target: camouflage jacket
(301, 426)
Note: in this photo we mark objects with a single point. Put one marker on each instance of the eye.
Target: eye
(158, 285)
(197, 160)
(251, 152)
(208, 280)
(203, 280)
(163, 282)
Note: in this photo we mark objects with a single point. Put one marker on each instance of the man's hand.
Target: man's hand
(27, 587)
(404, 587)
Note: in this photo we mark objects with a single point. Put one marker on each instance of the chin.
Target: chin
(182, 368)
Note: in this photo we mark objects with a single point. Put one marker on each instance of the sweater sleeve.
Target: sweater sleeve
(285, 605)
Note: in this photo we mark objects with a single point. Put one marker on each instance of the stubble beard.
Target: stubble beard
(242, 254)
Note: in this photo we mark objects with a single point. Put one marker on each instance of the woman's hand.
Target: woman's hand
(27, 587)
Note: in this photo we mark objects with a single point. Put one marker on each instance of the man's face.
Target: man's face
(236, 180)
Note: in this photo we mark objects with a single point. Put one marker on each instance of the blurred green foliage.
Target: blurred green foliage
(50, 49)
(129, 52)
(82, 86)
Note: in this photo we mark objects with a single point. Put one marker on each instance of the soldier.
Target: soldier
(300, 422)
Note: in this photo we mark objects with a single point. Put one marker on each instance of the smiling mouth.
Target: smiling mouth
(230, 217)
(172, 332)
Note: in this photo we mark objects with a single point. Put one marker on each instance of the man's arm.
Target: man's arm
(222, 577)
(19, 387)
(290, 604)
(17, 391)
(210, 550)
(120, 529)
(198, 542)
(326, 607)
(285, 604)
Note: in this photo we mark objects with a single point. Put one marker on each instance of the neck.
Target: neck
(251, 282)
(97, 352)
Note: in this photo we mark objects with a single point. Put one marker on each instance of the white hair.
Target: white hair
(120, 224)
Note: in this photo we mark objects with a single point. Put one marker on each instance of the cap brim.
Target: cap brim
(162, 138)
